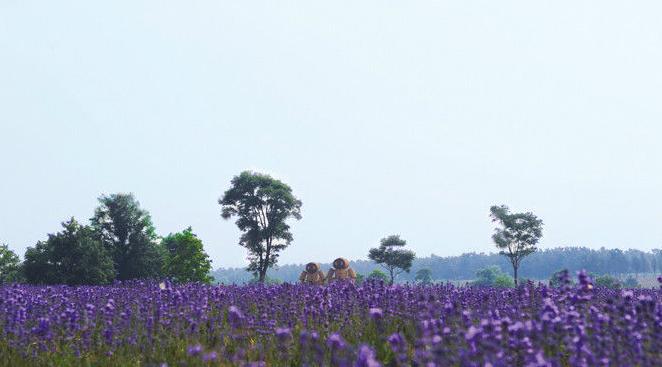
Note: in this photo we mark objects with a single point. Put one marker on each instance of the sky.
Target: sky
(385, 117)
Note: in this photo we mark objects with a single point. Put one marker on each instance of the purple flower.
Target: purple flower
(473, 331)
(254, 325)
(194, 350)
(283, 334)
(335, 341)
(376, 313)
(235, 316)
(366, 358)
(210, 357)
(396, 340)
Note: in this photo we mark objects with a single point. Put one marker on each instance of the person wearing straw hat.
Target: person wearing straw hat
(312, 275)
(341, 271)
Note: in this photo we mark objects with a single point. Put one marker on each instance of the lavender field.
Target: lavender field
(158, 324)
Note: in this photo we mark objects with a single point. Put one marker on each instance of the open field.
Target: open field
(195, 325)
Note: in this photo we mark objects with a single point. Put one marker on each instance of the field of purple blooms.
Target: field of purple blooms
(152, 324)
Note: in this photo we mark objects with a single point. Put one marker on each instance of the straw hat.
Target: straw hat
(341, 263)
(312, 267)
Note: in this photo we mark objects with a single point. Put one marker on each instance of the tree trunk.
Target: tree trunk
(265, 264)
(515, 274)
(392, 276)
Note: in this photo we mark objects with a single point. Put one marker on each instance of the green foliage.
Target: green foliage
(267, 280)
(631, 282)
(378, 275)
(557, 279)
(360, 278)
(73, 256)
(503, 281)
(392, 257)
(262, 206)
(492, 276)
(10, 265)
(517, 234)
(127, 232)
(607, 281)
(186, 260)
(424, 276)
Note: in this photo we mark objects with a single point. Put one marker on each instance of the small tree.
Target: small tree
(424, 276)
(392, 257)
(262, 206)
(9, 265)
(631, 282)
(517, 234)
(492, 276)
(186, 259)
(74, 256)
(608, 281)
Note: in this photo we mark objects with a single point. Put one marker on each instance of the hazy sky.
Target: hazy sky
(385, 117)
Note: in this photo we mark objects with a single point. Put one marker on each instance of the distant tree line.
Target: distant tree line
(539, 265)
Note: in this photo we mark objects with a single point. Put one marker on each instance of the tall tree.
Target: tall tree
(127, 232)
(73, 256)
(392, 257)
(186, 259)
(516, 235)
(9, 264)
(262, 206)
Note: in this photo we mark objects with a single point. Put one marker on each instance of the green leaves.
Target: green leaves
(390, 256)
(424, 276)
(128, 234)
(492, 276)
(185, 259)
(9, 265)
(517, 234)
(262, 206)
(74, 256)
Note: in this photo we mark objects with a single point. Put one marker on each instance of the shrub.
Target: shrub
(608, 281)
(492, 276)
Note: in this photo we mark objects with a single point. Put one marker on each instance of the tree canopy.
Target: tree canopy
(186, 259)
(127, 232)
(392, 257)
(73, 256)
(516, 235)
(262, 206)
(9, 265)
(424, 276)
(378, 275)
(492, 276)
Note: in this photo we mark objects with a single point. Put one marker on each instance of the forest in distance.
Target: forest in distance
(538, 266)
